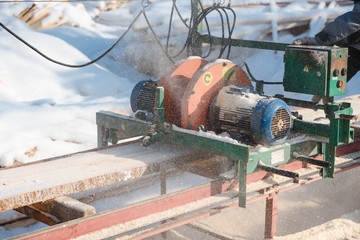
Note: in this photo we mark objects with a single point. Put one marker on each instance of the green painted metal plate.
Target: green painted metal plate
(315, 70)
(282, 154)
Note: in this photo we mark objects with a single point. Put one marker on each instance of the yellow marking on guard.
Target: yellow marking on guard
(208, 78)
(306, 69)
(226, 73)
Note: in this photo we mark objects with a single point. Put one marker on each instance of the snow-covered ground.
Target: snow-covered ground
(48, 110)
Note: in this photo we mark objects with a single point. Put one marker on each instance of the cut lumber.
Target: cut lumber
(38, 182)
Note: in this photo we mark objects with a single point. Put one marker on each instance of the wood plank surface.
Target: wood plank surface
(25, 185)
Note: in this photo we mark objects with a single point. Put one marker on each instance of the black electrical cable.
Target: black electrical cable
(169, 27)
(255, 80)
(174, 7)
(194, 29)
(70, 65)
(252, 78)
(180, 16)
(191, 36)
(188, 39)
(156, 37)
(230, 30)
(203, 16)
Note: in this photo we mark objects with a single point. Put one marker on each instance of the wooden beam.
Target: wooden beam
(38, 215)
(58, 210)
(65, 208)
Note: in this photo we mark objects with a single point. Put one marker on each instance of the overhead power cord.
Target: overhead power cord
(225, 21)
(157, 38)
(252, 78)
(71, 65)
(195, 21)
(192, 35)
(255, 80)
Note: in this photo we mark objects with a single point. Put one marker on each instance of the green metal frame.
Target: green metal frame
(338, 113)
(239, 155)
(113, 126)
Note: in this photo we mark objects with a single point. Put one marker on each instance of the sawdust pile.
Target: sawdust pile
(337, 229)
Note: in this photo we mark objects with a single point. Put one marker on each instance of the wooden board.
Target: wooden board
(25, 185)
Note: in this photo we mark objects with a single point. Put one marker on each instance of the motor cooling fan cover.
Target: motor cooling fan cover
(271, 121)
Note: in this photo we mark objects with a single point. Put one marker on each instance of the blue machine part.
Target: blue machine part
(245, 114)
(271, 121)
(143, 96)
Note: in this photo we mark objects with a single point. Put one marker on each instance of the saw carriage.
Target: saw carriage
(213, 107)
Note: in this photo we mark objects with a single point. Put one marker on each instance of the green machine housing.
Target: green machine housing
(308, 69)
(316, 70)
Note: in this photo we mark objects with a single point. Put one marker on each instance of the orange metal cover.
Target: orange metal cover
(174, 84)
(203, 88)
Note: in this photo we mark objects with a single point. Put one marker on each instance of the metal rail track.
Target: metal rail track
(203, 193)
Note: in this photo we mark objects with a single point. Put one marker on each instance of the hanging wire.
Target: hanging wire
(252, 78)
(223, 14)
(73, 65)
(192, 35)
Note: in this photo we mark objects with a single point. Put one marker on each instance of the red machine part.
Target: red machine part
(175, 83)
(203, 88)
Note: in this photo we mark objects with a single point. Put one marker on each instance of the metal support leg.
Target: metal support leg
(271, 215)
(162, 192)
(101, 136)
(329, 156)
(163, 182)
(242, 168)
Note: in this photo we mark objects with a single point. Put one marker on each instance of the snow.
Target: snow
(51, 107)
(48, 110)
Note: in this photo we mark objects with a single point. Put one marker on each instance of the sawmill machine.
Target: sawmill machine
(213, 107)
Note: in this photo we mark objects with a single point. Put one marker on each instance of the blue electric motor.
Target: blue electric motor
(143, 96)
(245, 114)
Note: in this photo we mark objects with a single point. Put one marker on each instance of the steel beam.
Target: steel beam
(244, 43)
